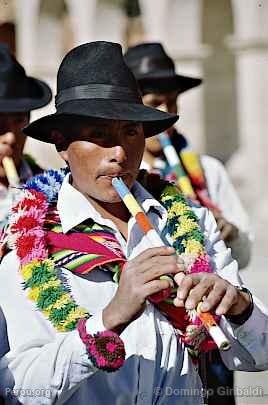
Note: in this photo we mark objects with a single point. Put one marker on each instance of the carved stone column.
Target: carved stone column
(250, 45)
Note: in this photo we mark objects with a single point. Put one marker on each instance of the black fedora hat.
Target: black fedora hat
(94, 82)
(155, 70)
(19, 92)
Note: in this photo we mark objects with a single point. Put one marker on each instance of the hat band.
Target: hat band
(97, 91)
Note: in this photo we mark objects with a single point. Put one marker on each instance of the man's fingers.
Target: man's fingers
(163, 267)
(156, 286)
(221, 223)
(158, 251)
(197, 293)
(230, 298)
(179, 277)
(226, 231)
(185, 286)
(178, 303)
(214, 297)
(217, 294)
(193, 287)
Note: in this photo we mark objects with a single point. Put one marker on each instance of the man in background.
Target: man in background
(19, 95)
(161, 86)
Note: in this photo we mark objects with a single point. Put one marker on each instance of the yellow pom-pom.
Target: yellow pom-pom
(52, 283)
(27, 269)
(34, 293)
(177, 208)
(63, 300)
(193, 247)
(186, 225)
(74, 315)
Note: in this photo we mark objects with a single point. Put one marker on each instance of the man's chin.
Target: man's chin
(108, 197)
(112, 198)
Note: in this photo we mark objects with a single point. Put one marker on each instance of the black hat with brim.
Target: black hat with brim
(19, 92)
(94, 82)
(155, 70)
(160, 85)
(154, 121)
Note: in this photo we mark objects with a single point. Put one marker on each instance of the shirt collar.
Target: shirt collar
(74, 208)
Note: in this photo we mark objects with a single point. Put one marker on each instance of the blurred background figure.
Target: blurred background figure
(19, 94)
(161, 86)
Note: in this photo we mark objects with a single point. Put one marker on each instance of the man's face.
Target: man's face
(165, 102)
(102, 151)
(12, 124)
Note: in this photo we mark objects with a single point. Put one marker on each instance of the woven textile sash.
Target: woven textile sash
(89, 247)
(83, 249)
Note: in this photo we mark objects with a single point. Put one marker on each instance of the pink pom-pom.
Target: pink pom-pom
(105, 349)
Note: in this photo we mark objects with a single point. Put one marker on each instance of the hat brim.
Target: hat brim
(42, 97)
(153, 120)
(162, 84)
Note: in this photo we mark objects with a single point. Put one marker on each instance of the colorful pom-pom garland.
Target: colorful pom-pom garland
(42, 278)
(105, 349)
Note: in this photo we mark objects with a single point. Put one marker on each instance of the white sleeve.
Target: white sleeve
(39, 357)
(224, 195)
(249, 351)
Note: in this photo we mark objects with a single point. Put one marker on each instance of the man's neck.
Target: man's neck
(116, 212)
(111, 210)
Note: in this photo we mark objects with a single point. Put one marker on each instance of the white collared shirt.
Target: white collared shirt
(158, 369)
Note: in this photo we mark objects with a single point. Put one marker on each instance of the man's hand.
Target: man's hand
(139, 280)
(228, 230)
(217, 294)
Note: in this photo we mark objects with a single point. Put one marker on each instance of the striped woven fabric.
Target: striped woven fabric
(87, 246)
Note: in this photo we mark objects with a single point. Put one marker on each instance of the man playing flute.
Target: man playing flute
(90, 325)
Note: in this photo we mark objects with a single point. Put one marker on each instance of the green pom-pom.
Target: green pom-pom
(40, 275)
(197, 235)
(191, 215)
(49, 296)
(72, 325)
(58, 315)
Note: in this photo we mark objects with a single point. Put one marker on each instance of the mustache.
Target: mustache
(114, 172)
